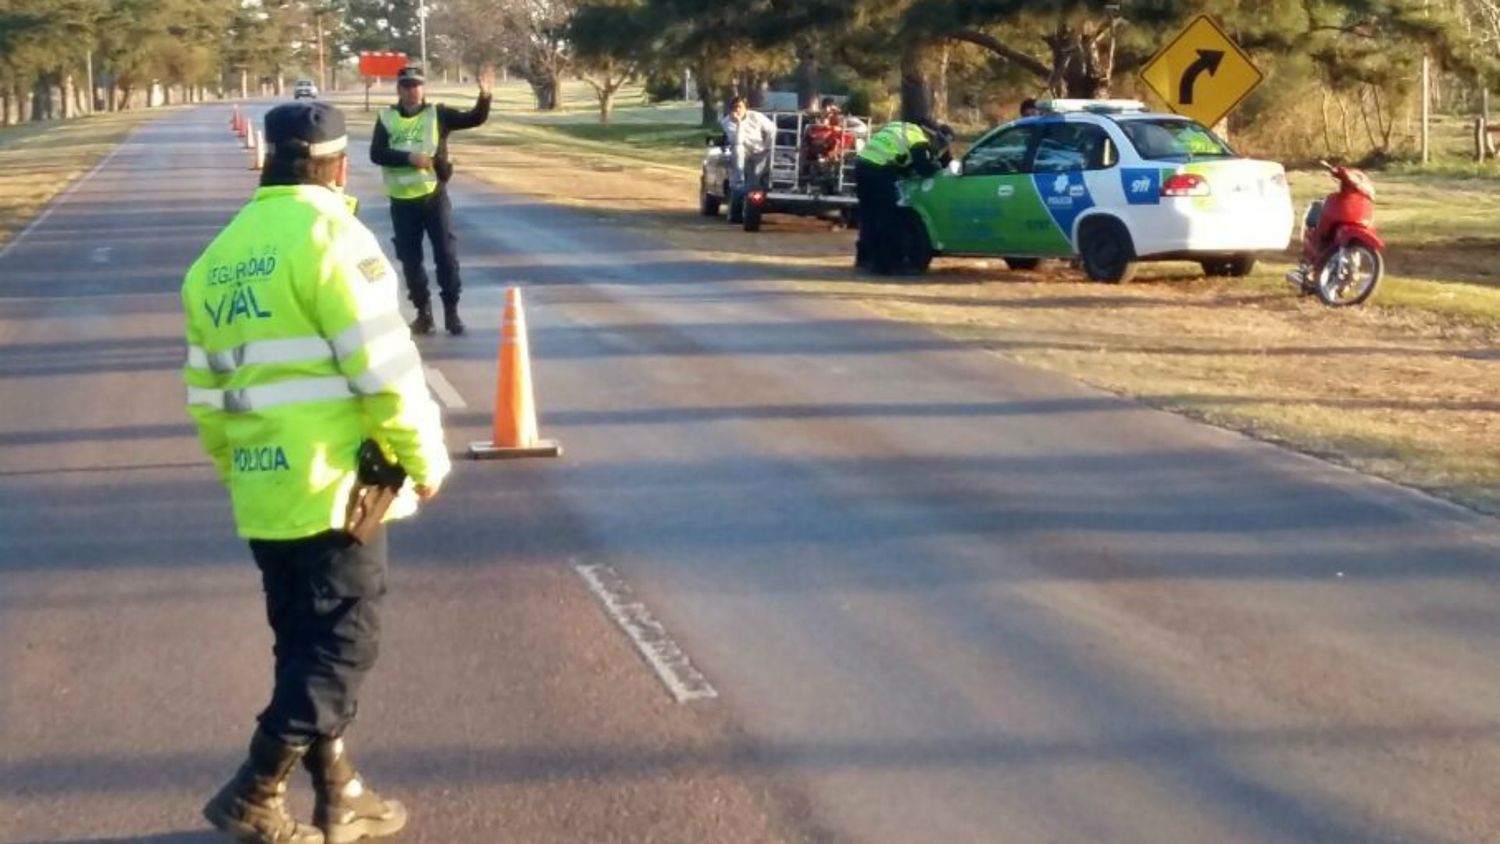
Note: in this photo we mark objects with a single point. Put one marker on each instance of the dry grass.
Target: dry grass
(39, 160)
(1402, 388)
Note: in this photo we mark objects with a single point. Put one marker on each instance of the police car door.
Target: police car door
(982, 205)
(1066, 154)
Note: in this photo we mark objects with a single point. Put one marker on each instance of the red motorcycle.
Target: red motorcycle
(1342, 256)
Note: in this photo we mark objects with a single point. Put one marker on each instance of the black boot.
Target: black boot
(345, 808)
(423, 323)
(451, 321)
(252, 806)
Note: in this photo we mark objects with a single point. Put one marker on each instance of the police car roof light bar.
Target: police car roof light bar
(1094, 106)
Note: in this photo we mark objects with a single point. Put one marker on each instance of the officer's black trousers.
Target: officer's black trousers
(432, 216)
(879, 233)
(323, 601)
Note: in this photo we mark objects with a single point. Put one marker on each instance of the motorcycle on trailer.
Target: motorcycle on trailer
(1343, 259)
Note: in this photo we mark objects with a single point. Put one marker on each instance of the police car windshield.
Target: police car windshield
(1172, 139)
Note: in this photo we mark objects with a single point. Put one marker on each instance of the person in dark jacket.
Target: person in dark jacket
(410, 145)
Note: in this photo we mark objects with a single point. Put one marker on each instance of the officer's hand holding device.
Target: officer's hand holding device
(379, 481)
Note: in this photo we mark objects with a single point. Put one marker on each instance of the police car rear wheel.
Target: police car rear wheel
(1232, 266)
(1107, 253)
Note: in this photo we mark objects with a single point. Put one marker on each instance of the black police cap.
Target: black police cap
(410, 75)
(312, 129)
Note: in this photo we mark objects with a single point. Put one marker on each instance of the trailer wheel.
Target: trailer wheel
(708, 204)
(752, 214)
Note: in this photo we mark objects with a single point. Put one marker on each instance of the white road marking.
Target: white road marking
(58, 201)
(100, 255)
(444, 390)
(672, 665)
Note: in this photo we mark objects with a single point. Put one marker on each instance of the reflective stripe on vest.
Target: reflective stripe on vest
(892, 144)
(291, 350)
(256, 399)
(418, 133)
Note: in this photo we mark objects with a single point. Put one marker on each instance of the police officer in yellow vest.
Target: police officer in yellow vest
(297, 354)
(410, 145)
(897, 151)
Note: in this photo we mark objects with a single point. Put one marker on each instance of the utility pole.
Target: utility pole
(1426, 97)
(1426, 109)
(422, 19)
(322, 69)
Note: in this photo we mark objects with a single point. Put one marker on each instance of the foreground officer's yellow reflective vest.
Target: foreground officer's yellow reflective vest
(297, 353)
(418, 133)
(891, 146)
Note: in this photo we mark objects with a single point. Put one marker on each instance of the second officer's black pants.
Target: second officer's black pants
(432, 217)
(879, 217)
(323, 597)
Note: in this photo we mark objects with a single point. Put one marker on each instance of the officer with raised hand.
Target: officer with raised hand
(410, 144)
(298, 361)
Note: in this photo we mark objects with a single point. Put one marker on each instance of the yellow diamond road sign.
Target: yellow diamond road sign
(1202, 74)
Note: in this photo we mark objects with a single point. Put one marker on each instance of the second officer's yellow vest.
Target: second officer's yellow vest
(891, 146)
(418, 133)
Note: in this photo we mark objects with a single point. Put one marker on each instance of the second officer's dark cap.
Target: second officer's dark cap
(410, 75)
(305, 130)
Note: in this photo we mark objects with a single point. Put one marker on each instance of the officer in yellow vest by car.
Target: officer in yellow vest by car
(897, 151)
(298, 362)
(410, 144)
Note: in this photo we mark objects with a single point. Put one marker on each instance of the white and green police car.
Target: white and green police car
(1106, 182)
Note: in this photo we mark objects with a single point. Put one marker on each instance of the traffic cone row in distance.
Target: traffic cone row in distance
(515, 430)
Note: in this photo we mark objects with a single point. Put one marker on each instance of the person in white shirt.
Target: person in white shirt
(750, 136)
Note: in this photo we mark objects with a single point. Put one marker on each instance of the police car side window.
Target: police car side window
(1001, 154)
(1069, 147)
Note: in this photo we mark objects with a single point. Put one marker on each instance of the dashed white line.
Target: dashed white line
(444, 390)
(672, 665)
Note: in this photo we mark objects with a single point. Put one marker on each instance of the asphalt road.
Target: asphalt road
(938, 597)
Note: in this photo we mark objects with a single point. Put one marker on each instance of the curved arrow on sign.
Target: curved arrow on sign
(1208, 60)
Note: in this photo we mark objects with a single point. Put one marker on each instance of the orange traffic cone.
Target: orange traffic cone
(515, 432)
(242, 124)
(234, 120)
(257, 143)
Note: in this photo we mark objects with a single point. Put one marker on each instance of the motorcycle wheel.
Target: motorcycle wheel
(1348, 275)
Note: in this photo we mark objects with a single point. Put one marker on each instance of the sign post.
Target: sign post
(376, 66)
(1202, 73)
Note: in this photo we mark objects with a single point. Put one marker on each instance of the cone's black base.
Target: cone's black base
(490, 451)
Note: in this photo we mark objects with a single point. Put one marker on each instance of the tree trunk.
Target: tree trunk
(757, 90)
(940, 85)
(607, 100)
(68, 105)
(544, 89)
(709, 116)
(916, 91)
(808, 81)
(5, 107)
